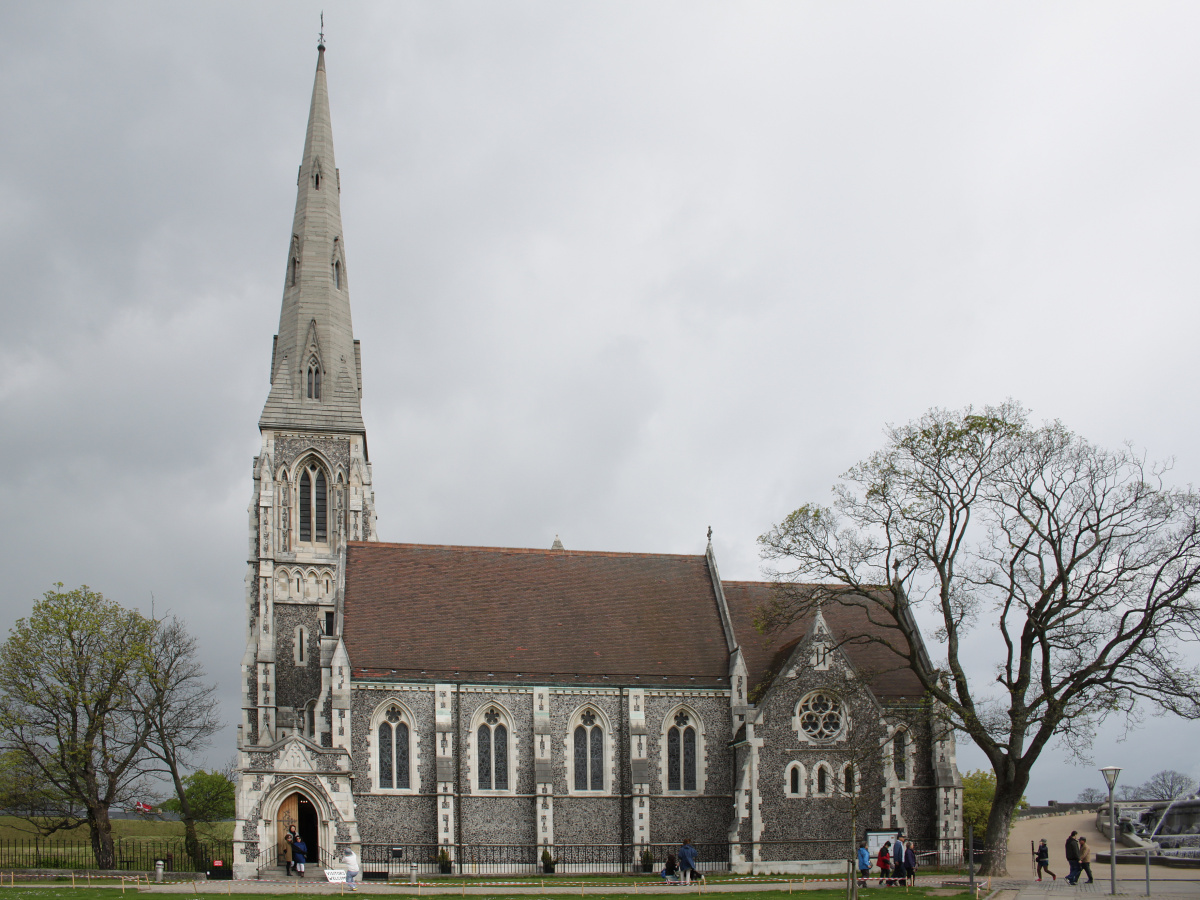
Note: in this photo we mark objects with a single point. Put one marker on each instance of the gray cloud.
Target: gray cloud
(620, 271)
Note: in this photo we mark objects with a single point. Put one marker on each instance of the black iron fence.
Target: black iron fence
(381, 861)
(130, 854)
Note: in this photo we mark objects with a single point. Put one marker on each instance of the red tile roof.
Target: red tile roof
(887, 673)
(416, 611)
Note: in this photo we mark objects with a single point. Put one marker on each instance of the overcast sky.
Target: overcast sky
(621, 271)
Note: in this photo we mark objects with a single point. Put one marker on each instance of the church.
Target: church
(467, 708)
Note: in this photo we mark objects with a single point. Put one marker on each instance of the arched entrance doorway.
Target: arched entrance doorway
(299, 811)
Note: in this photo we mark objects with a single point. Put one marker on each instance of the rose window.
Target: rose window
(821, 716)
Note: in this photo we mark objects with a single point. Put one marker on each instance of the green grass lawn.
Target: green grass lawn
(12, 828)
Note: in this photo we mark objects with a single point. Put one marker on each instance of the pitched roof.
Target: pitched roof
(416, 611)
(887, 673)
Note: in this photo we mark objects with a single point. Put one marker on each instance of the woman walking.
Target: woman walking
(885, 864)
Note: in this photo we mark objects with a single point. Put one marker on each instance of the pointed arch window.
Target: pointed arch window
(392, 750)
(795, 785)
(314, 380)
(588, 748)
(681, 754)
(313, 513)
(317, 180)
(849, 785)
(337, 274)
(900, 754)
(822, 780)
(294, 271)
(491, 744)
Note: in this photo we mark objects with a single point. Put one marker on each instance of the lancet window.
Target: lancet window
(491, 746)
(588, 740)
(313, 512)
(392, 750)
(681, 753)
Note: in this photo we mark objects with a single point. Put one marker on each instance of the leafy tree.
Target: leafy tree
(1079, 561)
(979, 789)
(208, 797)
(1168, 785)
(69, 726)
(180, 711)
(1091, 795)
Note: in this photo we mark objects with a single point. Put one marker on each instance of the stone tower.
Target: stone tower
(311, 493)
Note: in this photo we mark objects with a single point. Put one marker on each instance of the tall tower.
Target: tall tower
(311, 493)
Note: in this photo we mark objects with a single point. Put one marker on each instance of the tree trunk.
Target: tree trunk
(1008, 794)
(192, 844)
(102, 839)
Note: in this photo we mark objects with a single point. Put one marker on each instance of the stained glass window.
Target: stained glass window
(597, 762)
(305, 507)
(321, 494)
(673, 780)
(401, 732)
(689, 759)
(900, 754)
(485, 757)
(681, 755)
(581, 759)
(500, 753)
(385, 755)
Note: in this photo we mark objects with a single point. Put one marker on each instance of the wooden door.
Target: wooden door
(287, 816)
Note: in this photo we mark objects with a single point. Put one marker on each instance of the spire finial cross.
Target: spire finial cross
(321, 36)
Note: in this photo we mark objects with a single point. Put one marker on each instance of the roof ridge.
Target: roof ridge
(526, 550)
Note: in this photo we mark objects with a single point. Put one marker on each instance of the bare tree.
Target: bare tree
(1090, 795)
(1168, 785)
(1080, 561)
(180, 709)
(69, 728)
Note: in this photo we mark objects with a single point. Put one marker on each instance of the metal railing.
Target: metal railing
(526, 859)
(131, 854)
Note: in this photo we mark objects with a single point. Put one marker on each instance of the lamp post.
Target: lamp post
(1110, 774)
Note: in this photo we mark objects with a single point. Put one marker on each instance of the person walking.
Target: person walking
(1072, 852)
(910, 865)
(287, 854)
(687, 863)
(898, 871)
(299, 853)
(885, 864)
(1085, 859)
(350, 860)
(1042, 858)
(864, 864)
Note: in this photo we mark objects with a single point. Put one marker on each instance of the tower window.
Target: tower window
(313, 512)
(295, 271)
(317, 180)
(337, 274)
(314, 380)
(329, 623)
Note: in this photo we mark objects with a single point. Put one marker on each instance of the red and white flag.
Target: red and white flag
(142, 807)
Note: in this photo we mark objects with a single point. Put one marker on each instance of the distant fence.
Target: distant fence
(130, 854)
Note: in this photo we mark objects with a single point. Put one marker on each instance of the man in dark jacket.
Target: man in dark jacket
(1072, 851)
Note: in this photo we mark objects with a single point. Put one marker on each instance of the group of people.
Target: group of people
(897, 862)
(682, 870)
(295, 851)
(1079, 858)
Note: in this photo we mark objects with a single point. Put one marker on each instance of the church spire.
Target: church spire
(316, 383)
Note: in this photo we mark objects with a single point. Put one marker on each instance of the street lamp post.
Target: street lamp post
(1110, 774)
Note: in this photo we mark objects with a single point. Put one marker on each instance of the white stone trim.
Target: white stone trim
(831, 786)
(838, 738)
